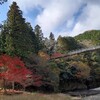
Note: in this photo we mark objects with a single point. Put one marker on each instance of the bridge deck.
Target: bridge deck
(77, 52)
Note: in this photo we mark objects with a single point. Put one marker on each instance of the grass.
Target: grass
(37, 96)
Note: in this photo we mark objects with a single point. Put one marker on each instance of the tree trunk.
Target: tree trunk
(4, 86)
(13, 87)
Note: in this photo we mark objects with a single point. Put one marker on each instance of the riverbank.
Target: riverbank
(92, 94)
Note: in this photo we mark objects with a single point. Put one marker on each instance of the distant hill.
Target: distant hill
(89, 38)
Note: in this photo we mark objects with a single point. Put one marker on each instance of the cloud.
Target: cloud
(62, 17)
(57, 14)
(27, 5)
(89, 19)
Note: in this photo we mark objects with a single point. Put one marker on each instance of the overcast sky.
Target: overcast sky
(62, 17)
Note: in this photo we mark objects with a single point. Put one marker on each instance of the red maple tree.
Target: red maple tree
(56, 55)
(14, 70)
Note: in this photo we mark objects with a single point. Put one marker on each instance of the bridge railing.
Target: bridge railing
(83, 50)
(77, 52)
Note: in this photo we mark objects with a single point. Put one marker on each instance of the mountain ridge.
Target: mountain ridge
(89, 38)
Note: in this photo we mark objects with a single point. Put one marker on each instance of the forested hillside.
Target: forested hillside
(89, 38)
(25, 57)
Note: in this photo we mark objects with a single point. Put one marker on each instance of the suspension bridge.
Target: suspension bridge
(77, 52)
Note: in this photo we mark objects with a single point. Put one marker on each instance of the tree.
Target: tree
(13, 69)
(32, 36)
(52, 43)
(18, 37)
(4, 32)
(81, 71)
(39, 38)
(51, 37)
(67, 44)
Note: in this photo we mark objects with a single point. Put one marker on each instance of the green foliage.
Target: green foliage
(53, 66)
(97, 72)
(93, 35)
(81, 70)
(67, 44)
(52, 44)
(51, 36)
(54, 72)
(39, 39)
(17, 36)
(4, 31)
(8, 45)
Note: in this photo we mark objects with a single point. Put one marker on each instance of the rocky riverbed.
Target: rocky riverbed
(92, 94)
(95, 96)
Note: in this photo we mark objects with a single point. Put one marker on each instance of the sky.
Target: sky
(61, 17)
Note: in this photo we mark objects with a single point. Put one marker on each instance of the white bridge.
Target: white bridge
(78, 51)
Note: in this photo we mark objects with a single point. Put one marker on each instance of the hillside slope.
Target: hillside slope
(89, 38)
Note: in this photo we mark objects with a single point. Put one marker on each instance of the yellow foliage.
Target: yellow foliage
(43, 55)
(83, 70)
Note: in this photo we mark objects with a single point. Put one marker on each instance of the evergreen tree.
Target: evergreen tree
(4, 32)
(18, 39)
(39, 38)
(8, 45)
(52, 43)
(32, 36)
(51, 36)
